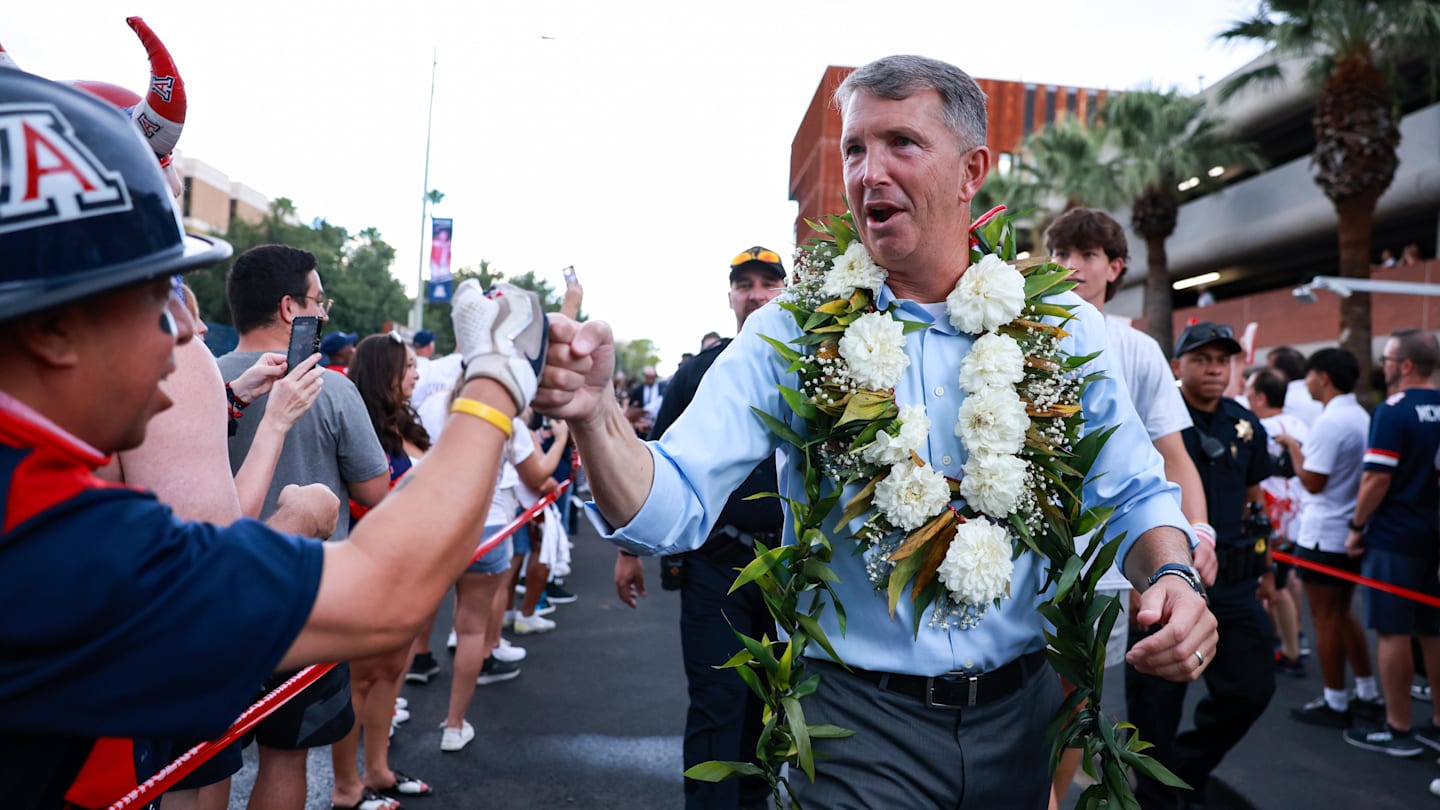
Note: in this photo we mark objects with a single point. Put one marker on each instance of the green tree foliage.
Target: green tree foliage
(631, 356)
(1353, 50)
(355, 270)
(437, 315)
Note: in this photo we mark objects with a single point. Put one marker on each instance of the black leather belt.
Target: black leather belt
(958, 690)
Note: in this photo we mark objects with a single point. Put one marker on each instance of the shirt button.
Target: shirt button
(939, 390)
(944, 459)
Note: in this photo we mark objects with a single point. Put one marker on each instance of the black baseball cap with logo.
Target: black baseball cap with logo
(1205, 333)
(758, 258)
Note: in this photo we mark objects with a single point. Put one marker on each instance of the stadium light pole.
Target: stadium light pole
(417, 315)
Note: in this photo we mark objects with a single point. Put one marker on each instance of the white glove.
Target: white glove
(502, 334)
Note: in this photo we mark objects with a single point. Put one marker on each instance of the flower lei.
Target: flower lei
(1021, 426)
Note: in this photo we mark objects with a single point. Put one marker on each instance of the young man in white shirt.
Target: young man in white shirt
(1329, 464)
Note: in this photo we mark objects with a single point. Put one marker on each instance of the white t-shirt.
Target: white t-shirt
(1283, 496)
(520, 447)
(438, 374)
(1146, 375)
(1336, 448)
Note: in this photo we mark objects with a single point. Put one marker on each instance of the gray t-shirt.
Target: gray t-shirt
(332, 444)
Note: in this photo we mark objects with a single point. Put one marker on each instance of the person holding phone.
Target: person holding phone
(275, 293)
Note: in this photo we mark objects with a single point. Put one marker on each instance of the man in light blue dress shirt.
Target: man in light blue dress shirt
(914, 156)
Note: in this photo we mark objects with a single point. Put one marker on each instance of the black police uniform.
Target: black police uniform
(723, 722)
(1229, 451)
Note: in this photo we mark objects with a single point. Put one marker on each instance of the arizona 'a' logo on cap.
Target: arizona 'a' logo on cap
(47, 174)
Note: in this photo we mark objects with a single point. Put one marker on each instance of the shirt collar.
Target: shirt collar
(30, 426)
(1341, 400)
(913, 311)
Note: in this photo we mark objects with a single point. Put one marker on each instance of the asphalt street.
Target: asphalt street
(596, 716)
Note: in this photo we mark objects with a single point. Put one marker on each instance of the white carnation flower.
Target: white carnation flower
(977, 565)
(993, 484)
(993, 422)
(910, 495)
(874, 348)
(989, 295)
(994, 360)
(914, 434)
(853, 269)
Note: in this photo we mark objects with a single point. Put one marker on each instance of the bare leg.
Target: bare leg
(1329, 605)
(1430, 650)
(1285, 617)
(377, 712)
(476, 598)
(1397, 668)
(280, 780)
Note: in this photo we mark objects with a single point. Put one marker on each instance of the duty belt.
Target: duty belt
(734, 547)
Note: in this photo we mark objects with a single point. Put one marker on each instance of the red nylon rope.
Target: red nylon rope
(1414, 596)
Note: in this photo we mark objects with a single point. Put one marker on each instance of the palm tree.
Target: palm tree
(1059, 166)
(1164, 139)
(1352, 49)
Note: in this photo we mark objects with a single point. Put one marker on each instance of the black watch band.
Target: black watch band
(1185, 572)
(1355, 527)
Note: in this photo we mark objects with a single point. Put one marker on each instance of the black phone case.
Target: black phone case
(304, 340)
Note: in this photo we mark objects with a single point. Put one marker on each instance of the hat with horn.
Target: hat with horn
(160, 114)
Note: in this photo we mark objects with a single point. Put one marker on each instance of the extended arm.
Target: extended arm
(290, 398)
(576, 386)
(378, 587)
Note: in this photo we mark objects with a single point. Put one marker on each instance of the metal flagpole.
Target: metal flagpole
(417, 316)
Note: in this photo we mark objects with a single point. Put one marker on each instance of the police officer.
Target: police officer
(1228, 446)
(723, 722)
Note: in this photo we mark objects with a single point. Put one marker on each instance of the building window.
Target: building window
(1092, 105)
(185, 196)
(233, 204)
(1050, 105)
(1072, 102)
(1029, 108)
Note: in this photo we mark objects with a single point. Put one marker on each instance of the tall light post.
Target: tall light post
(417, 316)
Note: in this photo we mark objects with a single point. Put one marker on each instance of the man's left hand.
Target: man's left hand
(1188, 628)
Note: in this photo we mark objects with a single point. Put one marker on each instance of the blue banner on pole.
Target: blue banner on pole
(441, 283)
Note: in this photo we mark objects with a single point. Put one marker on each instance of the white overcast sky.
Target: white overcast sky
(644, 142)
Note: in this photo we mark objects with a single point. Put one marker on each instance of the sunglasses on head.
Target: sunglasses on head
(756, 255)
(396, 336)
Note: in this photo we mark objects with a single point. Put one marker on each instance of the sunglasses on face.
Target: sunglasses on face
(756, 255)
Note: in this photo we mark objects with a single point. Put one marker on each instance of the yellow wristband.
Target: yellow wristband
(476, 408)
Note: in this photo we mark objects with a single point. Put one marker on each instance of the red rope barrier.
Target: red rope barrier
(1414, 596)
(187, 762)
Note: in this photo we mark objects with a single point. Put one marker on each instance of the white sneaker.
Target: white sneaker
(400, 716)
(508, 652)
(402, 703)
(452, 642)
(509, 620)
(525, 625)
(453, 739)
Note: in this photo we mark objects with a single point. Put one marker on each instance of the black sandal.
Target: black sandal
(406, 787)
(370, 799)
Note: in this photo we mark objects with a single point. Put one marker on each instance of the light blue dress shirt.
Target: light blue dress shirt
(718, 440)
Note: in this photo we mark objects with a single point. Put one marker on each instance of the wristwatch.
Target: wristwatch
(1185, 572)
